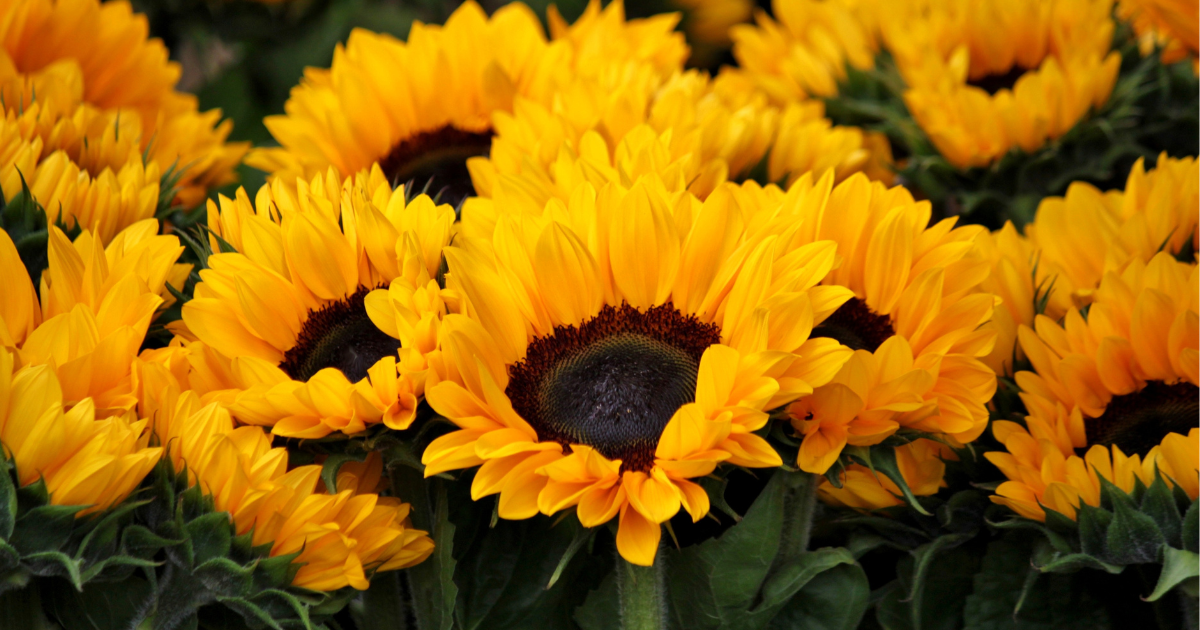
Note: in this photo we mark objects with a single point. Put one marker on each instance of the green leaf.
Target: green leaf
(1093, 530)
(331, 466)
(384, 604)
(833, 600)
(923, 558)
(1133, 537)
(714, 584)
(785, 582)
(1191, 528)
(1178, 565)
(1051, 602)
(225, 578)
(100, 606)
(44, 528)
(433, 590)
(602, 606)
(1159, 505)
(8, 501)
(211, 536)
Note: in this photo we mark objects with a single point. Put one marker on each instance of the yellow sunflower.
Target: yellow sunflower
(695, 132)
(429, 119)
(340, 538)
(99, 57)
(95, 308)
(922, 463)
(613, 347)
(804, 51)
(1075, 239)
(279, 330)
(990, 76)
(1121, 383)
(914, 321)
(103, 202)
(84, 461)
(1170, 25)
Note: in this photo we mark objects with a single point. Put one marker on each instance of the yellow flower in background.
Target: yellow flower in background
(987, 77)
(340, 538)
(84, 55)
(96, 305)
(82, 460)
(709, 21)
(922, 463)
(804, 51)
(1075, 239)
(1121, 383)
(1170, 25)
(617, 345)
(692, 131)
(280, 329)
(428, 120)
(915, 318)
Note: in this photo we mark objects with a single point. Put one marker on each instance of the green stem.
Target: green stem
(642, 595)
(799, 505)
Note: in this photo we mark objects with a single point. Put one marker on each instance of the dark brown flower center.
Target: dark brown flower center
(338, 335)
(993, 83)
(856, 326)
(1139, 421)
(614, 381)
(438, 158)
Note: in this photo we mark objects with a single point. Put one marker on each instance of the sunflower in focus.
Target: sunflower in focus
(95, 308)
(987, 77)
(83, 461)
(914, 321)
(281, 328)
(615, 346)
(922, 463)
(93, 63)
(1075, 239)
(1172, 26)
(1113, 395)
(427, 121)
(340, 538)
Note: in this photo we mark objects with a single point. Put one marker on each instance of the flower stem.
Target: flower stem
(800, 503)
(642, 595)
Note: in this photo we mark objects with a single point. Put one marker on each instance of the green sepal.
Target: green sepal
(44, 528)
(210, 537)
(1190, 531)
(1132, 537)
(8, 500)
(882, 459)
(1160, 506)
(1093, 530)
(331, 466)
(1178, 565)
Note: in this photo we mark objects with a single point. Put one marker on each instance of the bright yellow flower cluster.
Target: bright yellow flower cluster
(982, 78)
(92, 121)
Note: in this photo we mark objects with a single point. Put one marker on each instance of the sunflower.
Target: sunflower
(1075, 239)
(340, 538)
(693, 131)
(280, 329)
(1169, 25)
(914, 320)
(99, 57)
(83, 461)
(425, 122)
(588, 376)
(1002, 74)
(103, 202)
(921, 463)
(805, 50)
(95, 308)
(1121, 383)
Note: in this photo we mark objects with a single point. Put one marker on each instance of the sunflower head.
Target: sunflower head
(1108, 393)
(610, 349)
(286, 315)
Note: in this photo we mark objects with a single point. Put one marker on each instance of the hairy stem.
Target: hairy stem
(642, 595)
